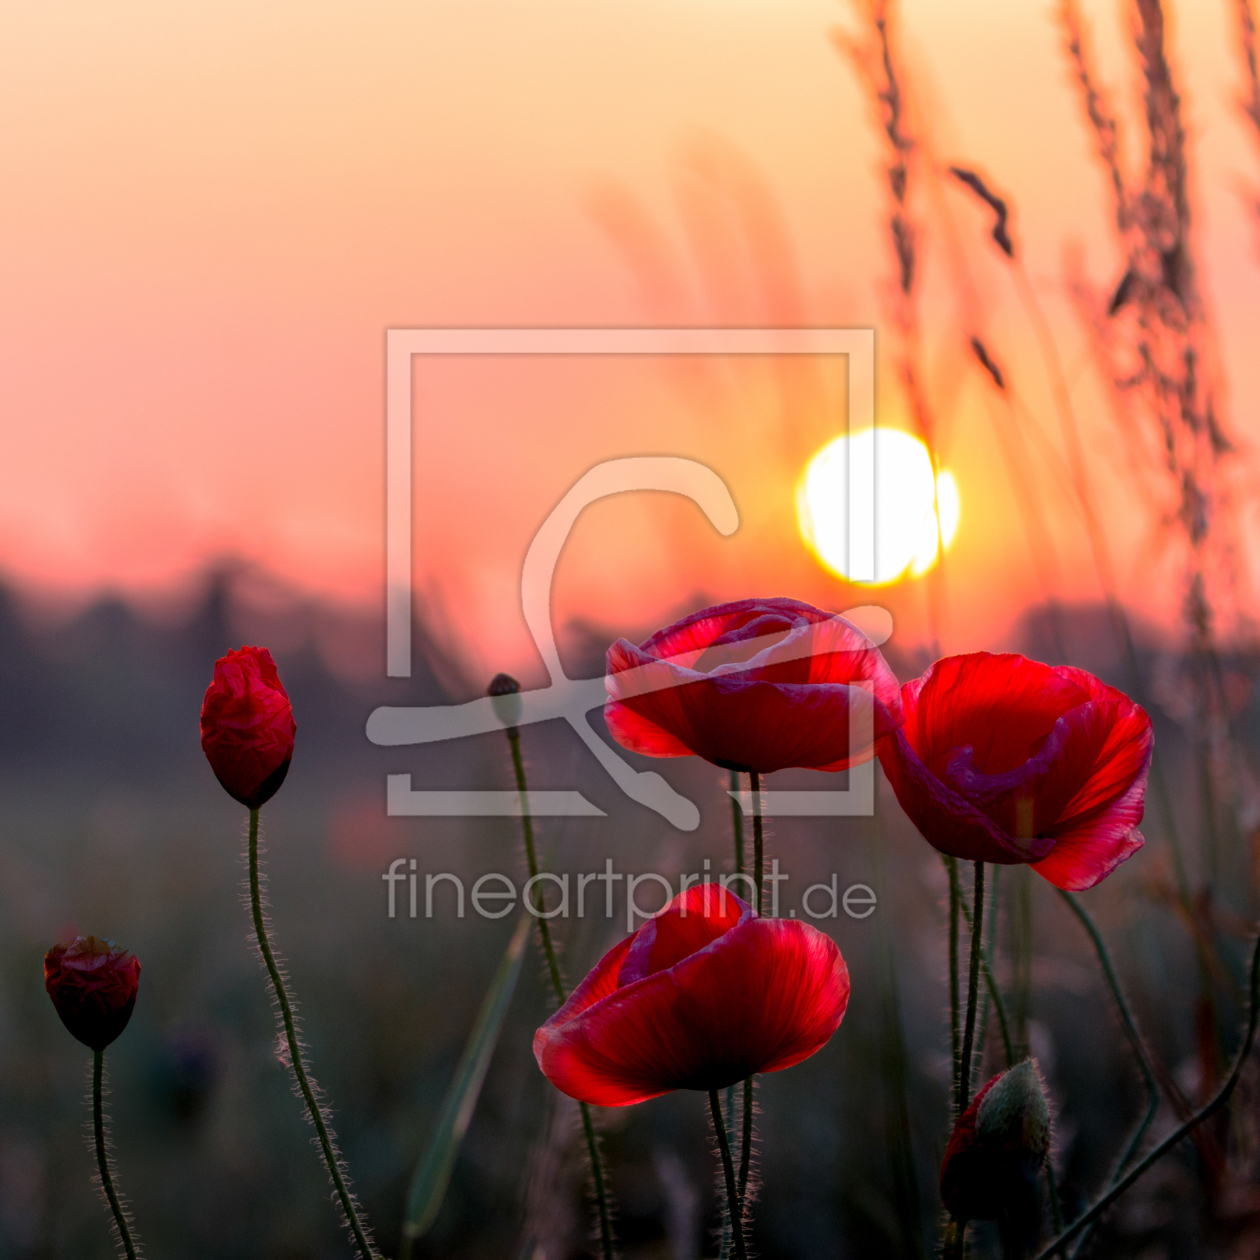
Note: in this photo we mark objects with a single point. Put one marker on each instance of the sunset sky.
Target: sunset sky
(209, 216)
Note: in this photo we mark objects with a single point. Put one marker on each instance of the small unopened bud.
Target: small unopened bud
(995, 1154)
(93, 985)
(505, 696)
(1015, 1113)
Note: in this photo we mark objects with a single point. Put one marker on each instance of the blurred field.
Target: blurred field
(113, 824)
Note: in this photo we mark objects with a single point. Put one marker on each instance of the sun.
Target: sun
(907, 543)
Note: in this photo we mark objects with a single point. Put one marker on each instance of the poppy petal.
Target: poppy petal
(946, 820)
(696, 632)
(1000, 706)
(1089, 850)
(1003, 759)
(674, 933)
(760, 685)
(760, 997)
(1123, 759)
(1030, 800)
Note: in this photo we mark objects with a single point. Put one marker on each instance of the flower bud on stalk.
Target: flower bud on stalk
(247, 732)
(247, 726)
(505, 698)
(93, 986)
(995, 1154)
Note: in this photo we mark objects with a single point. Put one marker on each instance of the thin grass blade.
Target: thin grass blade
(433, 1173)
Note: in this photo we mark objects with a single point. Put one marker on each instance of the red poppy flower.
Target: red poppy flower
(997, 1149)
(1002, 759)
(93, 985)
(247, 726)
(761, 685)
(701, 996)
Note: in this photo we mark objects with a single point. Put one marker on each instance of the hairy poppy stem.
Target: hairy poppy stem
(733, 1209)
(737, 826)
(531, 858)
(746, 1143)
(973, 985)
(759, 851)
(737, 822)
(1219, 1100)
(557, 984)
(724, 1248)
(102, 1154)
(1023, 936)
(988, 1003)
(327, 1140)
(986, 966)
(597, 1176)
(759, 838)
(955, 898)
(956, 1248)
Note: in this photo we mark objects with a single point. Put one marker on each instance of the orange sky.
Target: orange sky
(209, 215)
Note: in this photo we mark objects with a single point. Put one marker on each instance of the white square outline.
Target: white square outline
(404, 344)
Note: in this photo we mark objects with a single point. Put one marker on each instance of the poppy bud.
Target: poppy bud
(247, 726)
(93, 985)
(996, 1151)
(505, 697)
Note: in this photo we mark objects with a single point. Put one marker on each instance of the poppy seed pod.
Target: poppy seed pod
(93, 986)
(247, 726)
(996, 1152)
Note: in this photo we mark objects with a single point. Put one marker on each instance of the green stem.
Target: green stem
(531, 858)
(745, 1145)
(973, 985)
(1221, 1097)
(1129, 1023)
(759, 838)
(1056, 1205)
(757, 871)
(732, 1194)
(995, 994)
(557, 984)
(986, 1007)
(597, 1176)
(737, 822)
(102, 1154)
(955, 897)
(724, 1249)
(327, 1140)
(1131, 1032)
(1022, 949)
(737, 826)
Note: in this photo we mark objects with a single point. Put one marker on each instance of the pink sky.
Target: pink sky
(210, 215)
